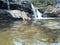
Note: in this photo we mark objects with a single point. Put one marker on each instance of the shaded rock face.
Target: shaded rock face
(27, 6)
(49, 12)
(5, 17)
(49, 15)
(3, 5)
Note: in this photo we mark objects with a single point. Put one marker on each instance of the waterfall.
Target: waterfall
(37, 14)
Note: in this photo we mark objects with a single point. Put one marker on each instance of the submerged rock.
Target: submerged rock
(51, 24)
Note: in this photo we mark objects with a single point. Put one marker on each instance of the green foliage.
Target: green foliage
(42, 2)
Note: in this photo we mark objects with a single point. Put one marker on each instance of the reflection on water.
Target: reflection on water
(15, 33)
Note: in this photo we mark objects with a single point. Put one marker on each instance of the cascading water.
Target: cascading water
(37, 14)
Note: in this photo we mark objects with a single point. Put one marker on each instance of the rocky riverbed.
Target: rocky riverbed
(16, 33)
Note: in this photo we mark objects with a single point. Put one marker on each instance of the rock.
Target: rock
(24, 16)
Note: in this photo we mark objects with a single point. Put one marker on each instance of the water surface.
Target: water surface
(16, 33)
